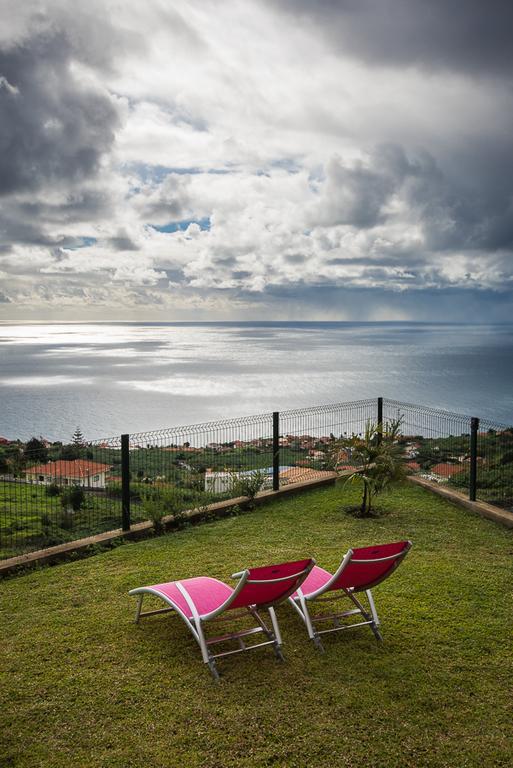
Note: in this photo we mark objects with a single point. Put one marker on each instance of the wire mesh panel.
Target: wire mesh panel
(436, 443)
(52, 493)
(495, 464)
(192, 466)
(309, 435)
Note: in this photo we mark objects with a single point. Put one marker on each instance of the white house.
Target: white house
(221, 482)
(88, 474)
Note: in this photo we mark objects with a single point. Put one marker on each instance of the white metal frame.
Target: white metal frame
(371, 619)
(197, 621)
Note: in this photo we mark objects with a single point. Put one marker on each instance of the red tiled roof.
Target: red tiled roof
(62, 468)
(447, 470)
(301, 474)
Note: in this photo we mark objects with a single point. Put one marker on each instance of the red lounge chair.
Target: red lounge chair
(359, 570)
(202, 599)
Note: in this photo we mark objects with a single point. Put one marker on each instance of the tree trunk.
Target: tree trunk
(363, 508)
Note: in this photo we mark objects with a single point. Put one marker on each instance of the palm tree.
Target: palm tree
(378, 460)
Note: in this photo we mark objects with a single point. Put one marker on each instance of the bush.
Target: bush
(73, 497)
(53, 489)
(159, 503)
(66, 520)
(155, 512)
(46, 520)
(247, 484)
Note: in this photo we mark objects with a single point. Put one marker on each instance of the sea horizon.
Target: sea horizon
(141, 376)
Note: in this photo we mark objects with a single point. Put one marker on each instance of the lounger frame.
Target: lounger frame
(324, 594)
(196, 623)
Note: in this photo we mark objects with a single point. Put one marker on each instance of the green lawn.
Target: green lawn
(83, 686)
(31, 520)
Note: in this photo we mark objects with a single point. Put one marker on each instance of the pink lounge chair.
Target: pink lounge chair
(202, 599)
(359, 570)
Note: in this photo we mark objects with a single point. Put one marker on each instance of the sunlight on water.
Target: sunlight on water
(112, 378)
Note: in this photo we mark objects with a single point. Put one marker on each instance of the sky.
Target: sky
(267, 159)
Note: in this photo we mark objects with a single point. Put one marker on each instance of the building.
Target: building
(88, 474)
(222, 482)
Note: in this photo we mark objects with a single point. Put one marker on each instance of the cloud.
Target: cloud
(56, 126)
(219, 160)
(467, 36)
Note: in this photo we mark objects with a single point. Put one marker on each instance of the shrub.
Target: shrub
(66, 520)
(72, 497)
(159, 503)
(247, 484)
(114, 490)
(155, 512)
(46, 520)
(53, 489)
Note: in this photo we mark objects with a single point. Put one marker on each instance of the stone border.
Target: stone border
(483, 509)
(143, 530)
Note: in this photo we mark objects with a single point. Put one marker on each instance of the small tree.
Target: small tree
(78, 438)
(15, 458)
(36, 450)
(72, 497)
(159, 503)
(74, 449)
(4, 464)
(378, 459)
(247, 484)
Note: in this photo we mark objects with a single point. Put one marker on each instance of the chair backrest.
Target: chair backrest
(368, 566)
(271, 584)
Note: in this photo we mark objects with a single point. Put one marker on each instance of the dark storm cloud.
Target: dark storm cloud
(37, 222)
(54, 128)
(469, 210)
(470, 36)
(78, 204)
(122, 242)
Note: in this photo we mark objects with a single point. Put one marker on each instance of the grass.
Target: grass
(30, 519)
(83, 686)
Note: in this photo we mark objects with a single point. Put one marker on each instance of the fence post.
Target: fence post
(474, 426)
(380, 419)
(125, 482)
(276, 450)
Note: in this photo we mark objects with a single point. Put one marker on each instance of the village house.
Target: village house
(88, 474)
(221, 482)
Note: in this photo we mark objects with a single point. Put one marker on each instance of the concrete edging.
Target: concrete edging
(480, 507)
(142, 530)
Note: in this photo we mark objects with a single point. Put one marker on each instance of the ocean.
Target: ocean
(120, 377)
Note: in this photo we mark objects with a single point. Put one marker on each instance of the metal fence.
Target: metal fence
(470, 454)
(53, 493)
